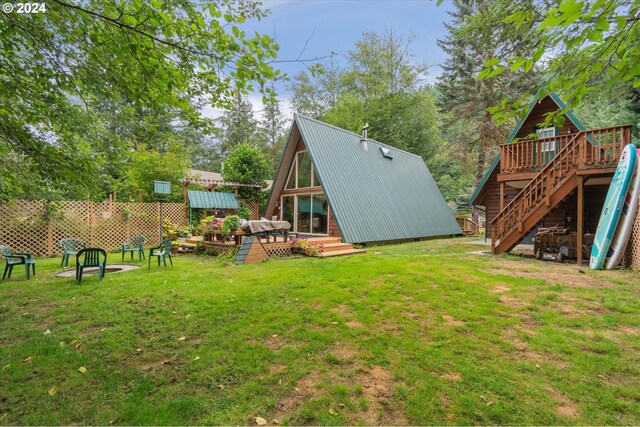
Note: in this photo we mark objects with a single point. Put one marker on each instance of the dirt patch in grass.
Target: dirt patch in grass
(512, 302)
(451, 376)
(569, 275)
(352, 324)
(305, 389)
(451, 321)
(153, 363)
(377, 388)
(275, 342)
(343, 352)
(410, 315)
(524, 352)
(566, 407)
(499, 289)
(276, 369)
(377, 383)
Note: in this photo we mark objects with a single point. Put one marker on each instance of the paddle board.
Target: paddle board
(613, 206)
(627, 219)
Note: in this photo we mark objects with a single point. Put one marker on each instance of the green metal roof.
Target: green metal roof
(373, 198)
(212, 200)
(515, 131)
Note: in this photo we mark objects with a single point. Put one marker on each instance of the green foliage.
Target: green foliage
(587, 45)
(149, 166)
(230, 224)
(383, 86)
(75, 76)
(244, 212)
(246, 165)
(477, 34)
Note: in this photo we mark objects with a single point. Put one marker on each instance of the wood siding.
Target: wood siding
(537, 116)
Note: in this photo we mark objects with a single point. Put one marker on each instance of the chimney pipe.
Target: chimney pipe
(363, 141)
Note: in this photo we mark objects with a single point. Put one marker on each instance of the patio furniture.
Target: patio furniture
(17, 258)
(163, 251)
(134, 244)
(70, 247)
(91, 257)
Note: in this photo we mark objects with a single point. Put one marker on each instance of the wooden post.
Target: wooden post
(501, 196)
(580, 227)
(186, 201)
(235, 190)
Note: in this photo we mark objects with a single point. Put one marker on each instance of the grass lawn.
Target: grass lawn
(419, 333)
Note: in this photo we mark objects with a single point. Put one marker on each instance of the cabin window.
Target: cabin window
(291, 181)
(547, 133)
(304, 170)
(288, 209)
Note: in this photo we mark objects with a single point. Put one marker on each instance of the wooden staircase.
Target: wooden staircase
(583, 154)
(469, 228)
(334, 247)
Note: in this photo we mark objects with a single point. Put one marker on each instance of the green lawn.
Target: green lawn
(419, 333)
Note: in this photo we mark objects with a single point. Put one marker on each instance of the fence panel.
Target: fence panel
(632, 256)
(31, 226)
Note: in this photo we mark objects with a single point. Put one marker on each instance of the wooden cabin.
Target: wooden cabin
(548, 176)
(332, 182)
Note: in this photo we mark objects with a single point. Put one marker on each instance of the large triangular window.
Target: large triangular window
(302, 173)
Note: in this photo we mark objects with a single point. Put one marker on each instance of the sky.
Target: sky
(316, 28)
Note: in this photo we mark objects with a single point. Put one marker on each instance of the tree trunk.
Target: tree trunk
(479, 174)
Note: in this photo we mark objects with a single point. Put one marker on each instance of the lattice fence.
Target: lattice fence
(213, 248)
(254, 207)
(632, 256)
(278, 249)
(37, 227)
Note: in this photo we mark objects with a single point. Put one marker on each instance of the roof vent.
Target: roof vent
(386, 153)
(363, 141)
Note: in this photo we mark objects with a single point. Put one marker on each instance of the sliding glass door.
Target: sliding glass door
(307, 213)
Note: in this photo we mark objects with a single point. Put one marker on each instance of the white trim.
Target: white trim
(547, 146)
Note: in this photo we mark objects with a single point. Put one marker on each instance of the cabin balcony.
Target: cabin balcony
(598, 153)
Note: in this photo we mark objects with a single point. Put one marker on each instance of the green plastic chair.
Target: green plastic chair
(91, 258)
(70, 247)
(162, 252)
(134, 244)
(17, 258)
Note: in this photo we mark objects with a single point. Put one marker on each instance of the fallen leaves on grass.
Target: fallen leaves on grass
(27, 360)
(261, 421)
(53, 391)
(182, 338)
(82, 369)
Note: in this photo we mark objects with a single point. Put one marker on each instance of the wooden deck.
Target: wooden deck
(555, 175)
(332, 247)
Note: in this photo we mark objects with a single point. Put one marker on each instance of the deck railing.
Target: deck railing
(469, 228)
(601, 148)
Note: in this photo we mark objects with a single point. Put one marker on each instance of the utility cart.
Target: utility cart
(560, 243)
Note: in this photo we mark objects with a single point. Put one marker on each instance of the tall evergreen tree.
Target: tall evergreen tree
(476, 35)
(238, 125)
(272, 127)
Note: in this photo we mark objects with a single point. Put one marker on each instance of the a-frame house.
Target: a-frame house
(548, 176)
(332, 182)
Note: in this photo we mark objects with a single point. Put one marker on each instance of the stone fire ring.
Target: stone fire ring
(91, 271)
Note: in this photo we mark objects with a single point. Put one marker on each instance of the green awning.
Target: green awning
(212, 200)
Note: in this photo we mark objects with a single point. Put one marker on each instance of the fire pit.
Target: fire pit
(90, 271)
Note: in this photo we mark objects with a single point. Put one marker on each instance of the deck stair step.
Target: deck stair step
(334, 247)
(323, 240)
(343, 252)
